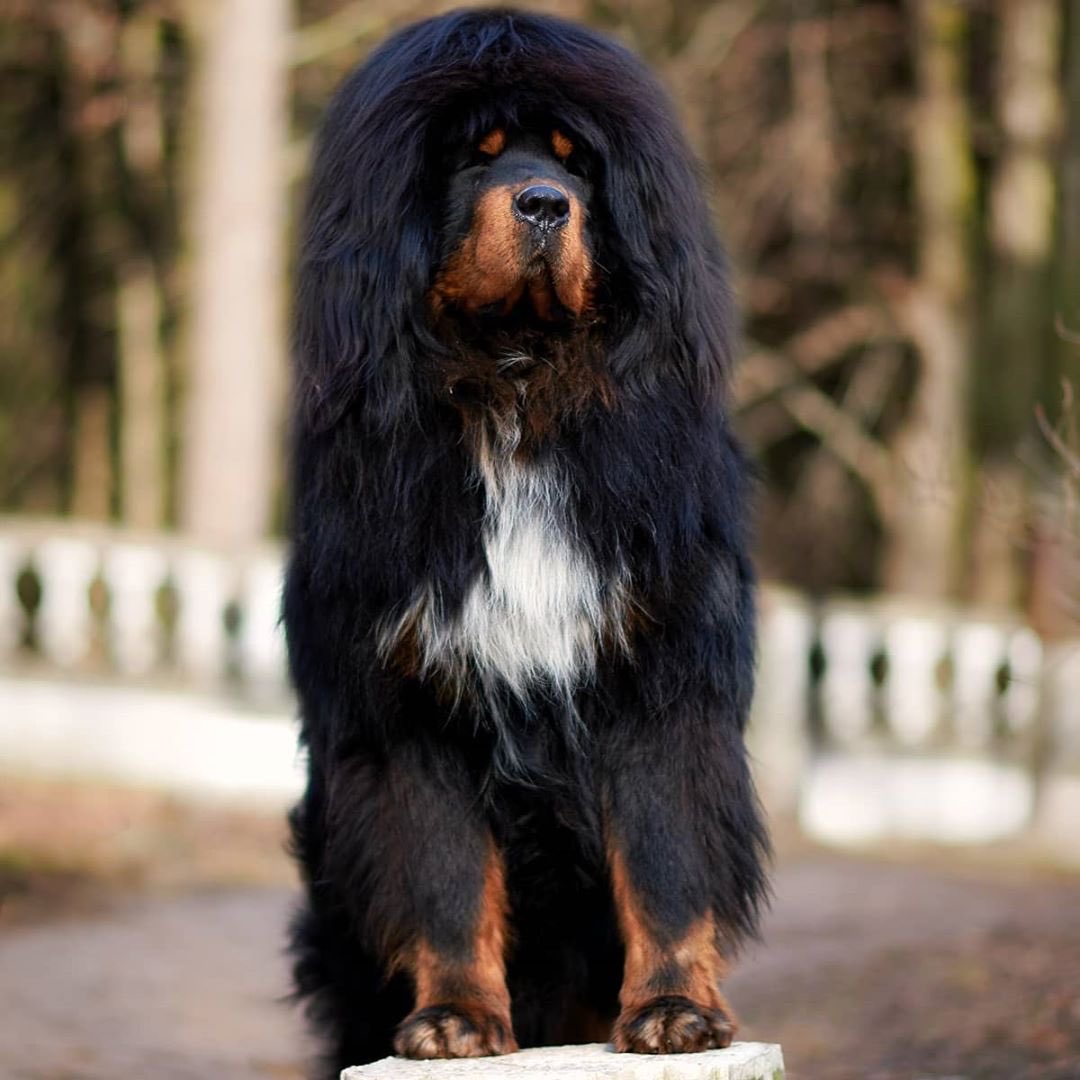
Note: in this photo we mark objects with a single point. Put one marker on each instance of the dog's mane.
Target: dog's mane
(369, 246)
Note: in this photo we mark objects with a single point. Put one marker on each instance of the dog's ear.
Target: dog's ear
(665, 244)
(359, 318)
(365, 256)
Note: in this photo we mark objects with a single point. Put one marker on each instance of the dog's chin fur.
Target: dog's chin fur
(519, 605)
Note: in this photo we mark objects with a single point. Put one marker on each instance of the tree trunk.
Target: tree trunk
(1068, 291)
(88, 227)
(1054, 600)
(925, 543)
(142, 398)
(231, 435)
(92, 474)
(1016, 348)
(812, 129)
(141, 362)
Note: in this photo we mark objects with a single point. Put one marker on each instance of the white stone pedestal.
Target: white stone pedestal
(741, 1061)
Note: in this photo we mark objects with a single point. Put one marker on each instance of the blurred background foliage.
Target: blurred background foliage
(898, 182)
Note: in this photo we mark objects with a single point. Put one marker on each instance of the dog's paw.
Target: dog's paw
(672, 1025)
(453, 1031)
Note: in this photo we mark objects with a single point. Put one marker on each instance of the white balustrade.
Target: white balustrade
(978, 651)
(205, 584)
(134, 574)
(67, 567)
(134, 570)
(12, 618)
(849, 638)
(1063, 693)
(262, 642)
(975, 714)
(778, 732)
(1023, 692)
(916, 646)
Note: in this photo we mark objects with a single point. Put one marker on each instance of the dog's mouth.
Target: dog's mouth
(524, 257)
(536, 296)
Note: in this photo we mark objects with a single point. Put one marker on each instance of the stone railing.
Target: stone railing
(888, 717)
(93, 600)
(966, 710)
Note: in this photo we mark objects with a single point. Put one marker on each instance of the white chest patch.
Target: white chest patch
(540, 609)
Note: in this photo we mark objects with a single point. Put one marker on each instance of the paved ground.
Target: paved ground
(892, 972)
(879, 971)
(182, 988)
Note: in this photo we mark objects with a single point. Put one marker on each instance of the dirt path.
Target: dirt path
(171, 989)
(893, 972)
(871, 970)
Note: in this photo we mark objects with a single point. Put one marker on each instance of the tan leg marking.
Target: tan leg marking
(670, 1001)
(462, 1007)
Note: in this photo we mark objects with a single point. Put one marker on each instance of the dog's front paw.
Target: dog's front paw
(454, 1031)
(672, 1025)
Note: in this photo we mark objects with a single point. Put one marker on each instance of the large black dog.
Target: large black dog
(519, 606)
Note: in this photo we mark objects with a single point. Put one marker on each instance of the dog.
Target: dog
(519, 604)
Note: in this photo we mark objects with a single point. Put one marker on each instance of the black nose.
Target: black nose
(543, 206)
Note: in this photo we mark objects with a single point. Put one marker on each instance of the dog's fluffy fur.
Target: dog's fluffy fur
(519, 605)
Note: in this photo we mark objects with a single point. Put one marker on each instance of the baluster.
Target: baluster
(1063, 676)
(1058, 804)
(978, 650)
(1023, 694)
(849, 639)
(262, 642)
(204, 586)
(133, 574)
(779, 731)
(916, 645)
(12, 616)
(67, 566)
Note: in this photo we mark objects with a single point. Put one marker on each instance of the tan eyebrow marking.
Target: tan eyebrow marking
(493, 142)
(562, 146)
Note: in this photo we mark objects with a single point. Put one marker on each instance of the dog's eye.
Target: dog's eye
(571, 155)
(492, 144)
(562, 146)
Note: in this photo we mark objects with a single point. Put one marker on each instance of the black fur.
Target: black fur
(406, 781)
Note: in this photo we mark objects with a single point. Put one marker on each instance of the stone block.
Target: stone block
(741, 1061)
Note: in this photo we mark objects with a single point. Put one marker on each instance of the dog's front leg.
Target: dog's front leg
(684, 845)
(670, 1000)
(431, 890)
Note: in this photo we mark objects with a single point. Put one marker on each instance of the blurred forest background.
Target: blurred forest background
(898, 182)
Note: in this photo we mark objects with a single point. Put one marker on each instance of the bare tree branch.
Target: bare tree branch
(349, 24)
(774, 375)
(1057, 443)
(760, 376)
(843, 435)
(1064, 332)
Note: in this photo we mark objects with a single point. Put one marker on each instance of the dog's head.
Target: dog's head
(489, 173)
(514, 236)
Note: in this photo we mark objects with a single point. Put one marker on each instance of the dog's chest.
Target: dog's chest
(538, 608)
(536, 613)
